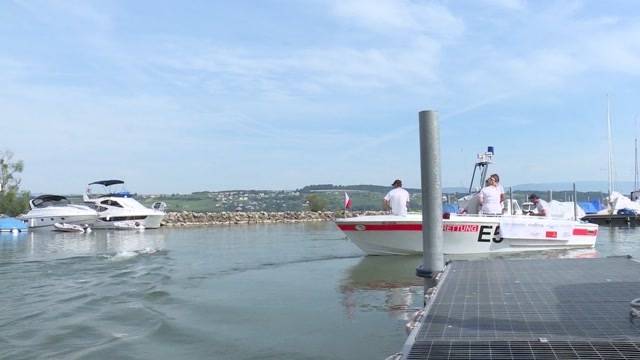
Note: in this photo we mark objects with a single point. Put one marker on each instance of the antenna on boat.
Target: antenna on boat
(482, 162)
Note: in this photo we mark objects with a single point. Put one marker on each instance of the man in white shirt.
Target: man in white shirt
(542, 207)
(489, 198)
(397, 199)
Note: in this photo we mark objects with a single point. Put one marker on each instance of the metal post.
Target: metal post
(511, 201)
(550, 195)
(575, 203)
(432, 257)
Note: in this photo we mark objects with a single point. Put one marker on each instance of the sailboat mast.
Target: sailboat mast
(635, 179)
(610, 148)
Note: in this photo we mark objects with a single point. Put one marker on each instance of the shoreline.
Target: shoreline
(190, 218)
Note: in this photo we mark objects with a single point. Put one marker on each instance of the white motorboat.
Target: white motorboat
(116, 208)
(46, 210)
(470, 233)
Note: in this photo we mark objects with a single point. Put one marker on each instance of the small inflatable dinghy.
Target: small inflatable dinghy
(64, 227)
(128, 225)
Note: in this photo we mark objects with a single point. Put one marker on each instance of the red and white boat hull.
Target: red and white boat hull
(402, 235)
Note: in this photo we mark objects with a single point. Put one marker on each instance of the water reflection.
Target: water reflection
(619, 241)
(391, 278)
(546, 254)
(45, 245)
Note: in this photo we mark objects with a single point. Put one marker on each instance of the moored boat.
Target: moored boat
(12, 225)
(622, 211)
(118, 208)
(471, 233)
(47, 210)
(467, 234)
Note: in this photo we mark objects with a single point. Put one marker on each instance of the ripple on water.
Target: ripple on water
(156, 295)
(124, 273)
(74, 297)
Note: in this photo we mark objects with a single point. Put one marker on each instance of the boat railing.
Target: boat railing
(524, 216)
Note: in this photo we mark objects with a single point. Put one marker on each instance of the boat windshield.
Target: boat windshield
(104, 188)
(50, 200)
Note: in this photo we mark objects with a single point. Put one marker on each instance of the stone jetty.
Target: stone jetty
(189, 218)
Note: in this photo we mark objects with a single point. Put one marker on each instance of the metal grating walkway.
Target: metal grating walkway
(532, 309)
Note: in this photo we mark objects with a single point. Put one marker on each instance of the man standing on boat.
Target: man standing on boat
(397, 199)
(489, 198)
(542, 207)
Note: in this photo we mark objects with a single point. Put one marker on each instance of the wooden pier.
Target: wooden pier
(531, 309)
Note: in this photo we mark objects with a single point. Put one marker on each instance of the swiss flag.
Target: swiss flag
(347, 201)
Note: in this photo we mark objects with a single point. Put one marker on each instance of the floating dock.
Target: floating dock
(613, 219)
(531, 309)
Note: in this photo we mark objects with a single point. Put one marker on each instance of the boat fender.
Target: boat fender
(420, 272)
(415, 319)
(635, 309)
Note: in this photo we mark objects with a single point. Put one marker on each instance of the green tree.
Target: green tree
(316, 202)
(12, 201)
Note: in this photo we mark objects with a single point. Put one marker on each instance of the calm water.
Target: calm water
(241, 292)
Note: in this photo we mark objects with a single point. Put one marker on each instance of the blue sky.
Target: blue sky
(175, 97)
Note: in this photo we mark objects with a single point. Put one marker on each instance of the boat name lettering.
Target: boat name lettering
(487, 234)
(460, 228)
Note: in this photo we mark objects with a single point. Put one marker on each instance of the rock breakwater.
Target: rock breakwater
(188, 218)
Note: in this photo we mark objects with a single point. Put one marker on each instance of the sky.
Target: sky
(184, 96)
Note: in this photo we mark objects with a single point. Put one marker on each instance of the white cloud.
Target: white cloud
(400, 15)
(12, 69)
(301, 70)
(517, 5)
(556, 47)
(617, 50)
(78, 15)
(546, 68)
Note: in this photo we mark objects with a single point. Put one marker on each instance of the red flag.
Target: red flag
(347, 201)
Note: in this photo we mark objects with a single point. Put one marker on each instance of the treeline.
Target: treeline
(12, 201)
(318, 197)
(324, 198)
(367, 188)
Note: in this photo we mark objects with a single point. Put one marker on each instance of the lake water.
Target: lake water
(278, 291)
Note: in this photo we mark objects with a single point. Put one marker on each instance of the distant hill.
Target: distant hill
(363, 196)
(347, 188)
(583, 186)
(623, 187)
(455, 190)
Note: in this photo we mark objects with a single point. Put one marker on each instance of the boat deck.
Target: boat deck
(531, 309)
